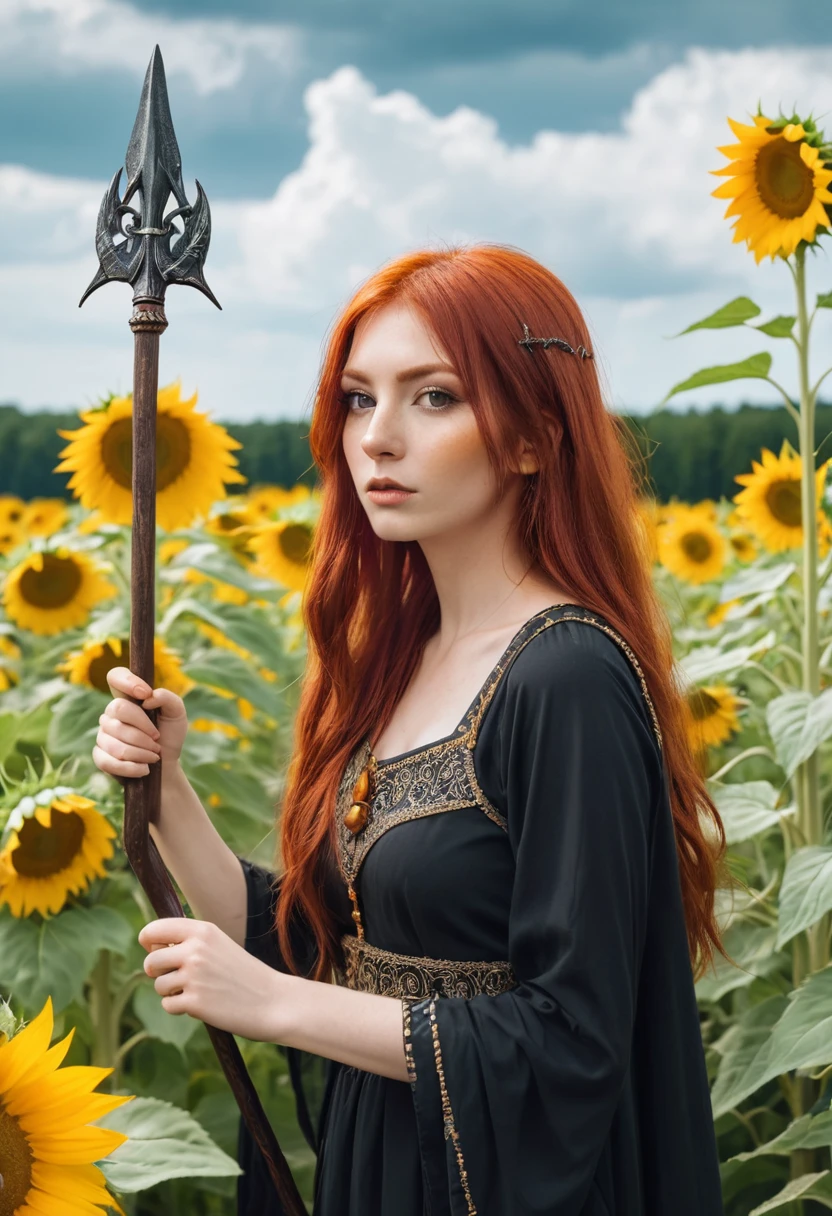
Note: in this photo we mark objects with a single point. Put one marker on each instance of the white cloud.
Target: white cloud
(76, 35)
(625, 218)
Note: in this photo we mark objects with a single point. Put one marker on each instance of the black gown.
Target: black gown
(550, 843)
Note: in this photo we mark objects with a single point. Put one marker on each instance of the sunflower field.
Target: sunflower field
(129, 1111)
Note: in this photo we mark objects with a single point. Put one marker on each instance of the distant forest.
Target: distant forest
(689, 456)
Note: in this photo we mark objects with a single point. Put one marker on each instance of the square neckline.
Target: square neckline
(414, 751)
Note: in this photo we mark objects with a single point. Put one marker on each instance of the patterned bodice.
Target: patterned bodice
(440, 776)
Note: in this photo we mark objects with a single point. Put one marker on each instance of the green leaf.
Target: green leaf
(246, 625)
(75, 721)
(777, 327)
(755, 367)
(226, 670)
(798, 723)
(753, 948)
(164, 1142)
(806, 890)
(705, 662)
(741, 1047)
(824, 301)
(55, 958)
(755, 580)
(807, 1186)
(236, 787)
(737, 312)
(808, 1131)
(801, 1038)
(173, 1028)
(747, 807)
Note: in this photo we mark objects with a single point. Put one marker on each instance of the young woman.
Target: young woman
(493, 835)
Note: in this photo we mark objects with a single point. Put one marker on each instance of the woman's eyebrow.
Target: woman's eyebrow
(411, 373)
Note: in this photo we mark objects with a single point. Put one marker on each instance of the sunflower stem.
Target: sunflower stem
(105, 1038)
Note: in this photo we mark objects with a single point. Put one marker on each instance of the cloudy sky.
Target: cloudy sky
(332, 135)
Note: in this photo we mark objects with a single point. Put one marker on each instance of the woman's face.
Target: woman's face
(407, 419)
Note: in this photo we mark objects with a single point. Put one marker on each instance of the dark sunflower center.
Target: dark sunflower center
(702, 705)
(106, 661)
(783, 500)
(53, 586)
(173, 451)
(784, 182)
(295, 542)
(15, 1164)
(42, 851)
(696, 546)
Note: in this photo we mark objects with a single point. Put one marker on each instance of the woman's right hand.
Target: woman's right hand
(127, 742)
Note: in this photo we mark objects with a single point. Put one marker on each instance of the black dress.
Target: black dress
(582, 1091)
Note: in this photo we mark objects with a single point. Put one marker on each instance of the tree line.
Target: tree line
(690, 456)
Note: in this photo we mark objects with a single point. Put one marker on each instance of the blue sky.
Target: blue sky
(331, 136)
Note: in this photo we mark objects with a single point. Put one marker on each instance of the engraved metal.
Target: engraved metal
(529, 342)
(145, 257)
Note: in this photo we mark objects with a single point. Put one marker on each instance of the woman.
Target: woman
(514, 897)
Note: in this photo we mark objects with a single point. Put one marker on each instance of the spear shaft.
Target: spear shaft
(146, 260)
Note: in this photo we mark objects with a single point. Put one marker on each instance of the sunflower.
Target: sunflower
(222, 640)
(718, 615)
(226, 593)
(743, 546)
(283, 551)
(691, 546)
(11, 535)
(56, 844)
(44, 516)
(169, 549)
(712, 715)
(770, 505)
(90, 665)
(11, 509)
(193, 460)
(263, 501)
(47, 1149)
(234, 526)
(778, 185)
(9, 650)
(51, 591)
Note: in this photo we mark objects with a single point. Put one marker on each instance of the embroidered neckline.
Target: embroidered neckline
(465, 724)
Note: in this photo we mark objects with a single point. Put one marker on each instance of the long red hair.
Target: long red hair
(370, 605)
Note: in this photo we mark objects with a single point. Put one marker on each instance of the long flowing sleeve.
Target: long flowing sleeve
(515, 1093)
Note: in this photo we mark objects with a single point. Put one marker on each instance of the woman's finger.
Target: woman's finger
(118, 768)
(132, 714)
(124, 683)
(169, 985)
(120, 750)
(128, 734)
(162, 698)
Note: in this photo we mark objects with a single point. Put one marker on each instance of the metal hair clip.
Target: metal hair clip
(529, 342)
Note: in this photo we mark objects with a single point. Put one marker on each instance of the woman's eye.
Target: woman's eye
(432, 393)
(348, 397)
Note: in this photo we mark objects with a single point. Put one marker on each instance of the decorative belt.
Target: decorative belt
(371, 969)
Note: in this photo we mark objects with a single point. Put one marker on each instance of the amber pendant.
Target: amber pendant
(356, 817)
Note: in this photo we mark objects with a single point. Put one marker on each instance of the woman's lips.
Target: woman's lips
(389, 496)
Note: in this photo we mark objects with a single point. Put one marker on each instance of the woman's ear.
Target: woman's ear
(527, 462)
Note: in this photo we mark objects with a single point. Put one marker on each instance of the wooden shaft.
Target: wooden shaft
(142, 795)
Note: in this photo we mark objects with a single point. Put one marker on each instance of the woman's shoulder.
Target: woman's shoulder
(572, 643)
(575, 660)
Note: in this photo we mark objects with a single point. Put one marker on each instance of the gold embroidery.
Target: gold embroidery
(368, 968)
(441, 776)
(447, 1112)
(408, 1041)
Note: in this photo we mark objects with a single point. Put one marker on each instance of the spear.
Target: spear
(146, 260)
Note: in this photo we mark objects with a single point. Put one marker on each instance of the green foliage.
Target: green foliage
(164, 1143)
(689, 455)
(737, 312)
(755, 367)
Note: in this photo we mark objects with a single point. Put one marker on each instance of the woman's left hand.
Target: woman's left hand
(202, 972)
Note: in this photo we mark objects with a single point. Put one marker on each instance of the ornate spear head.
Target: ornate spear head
(154, 173)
